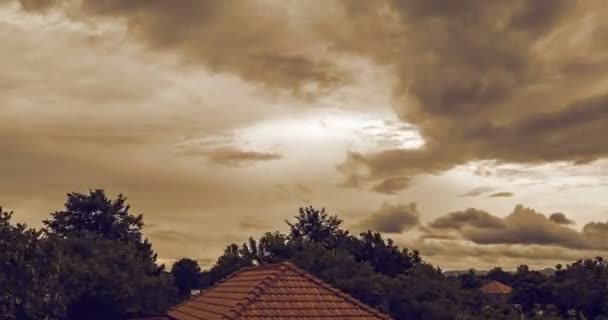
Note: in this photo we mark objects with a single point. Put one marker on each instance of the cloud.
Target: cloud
(483, 81)
(233, 156)
(501, 195)
(468, 218)
(476, 192)
(392, 185)
(393, 218)
(560, 218)
(258, 41)
(599, 229)
(252, 223)
(524, 226)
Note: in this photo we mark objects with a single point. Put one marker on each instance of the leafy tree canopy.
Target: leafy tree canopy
(186, 273)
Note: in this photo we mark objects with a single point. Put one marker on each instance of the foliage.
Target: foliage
(368, 267)
(105, 279)
(29, 282)
(91, 261)
(95, 213)
(186, 273)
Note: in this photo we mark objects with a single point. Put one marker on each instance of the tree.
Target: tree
(105, 279)
(29, 284)
(368, 267)
(94, 214)
(108, 270)
(316, 226)
(531, 288)
(499, 275)
(383, 255)
(186, 273)
(470, 280)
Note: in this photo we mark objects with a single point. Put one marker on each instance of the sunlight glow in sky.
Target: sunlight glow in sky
(322, 127)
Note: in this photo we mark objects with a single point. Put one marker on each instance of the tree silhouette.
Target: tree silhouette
(186, 273)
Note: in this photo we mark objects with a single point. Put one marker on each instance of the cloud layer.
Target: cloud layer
(127, 94)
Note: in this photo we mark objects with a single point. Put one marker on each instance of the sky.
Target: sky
(473, 131)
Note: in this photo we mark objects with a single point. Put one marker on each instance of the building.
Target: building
(495, 288)
(278, 291)
(496, 291)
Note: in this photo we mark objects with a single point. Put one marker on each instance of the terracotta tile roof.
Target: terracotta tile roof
(277, 291)
(495, 287)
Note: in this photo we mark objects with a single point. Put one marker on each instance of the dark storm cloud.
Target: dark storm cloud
(560, 218)
(392, 218)
(523, 226)
(477, 83)
(482, 79)
(255, 40)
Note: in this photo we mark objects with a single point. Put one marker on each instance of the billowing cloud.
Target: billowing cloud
(484, 80)
(598, 229)
(524, 226)
(257, 40)
(468, 218)
(510, 86)
(393, 218)
(560, 218)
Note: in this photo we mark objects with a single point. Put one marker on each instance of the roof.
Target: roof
(495, 287)
(276, 291)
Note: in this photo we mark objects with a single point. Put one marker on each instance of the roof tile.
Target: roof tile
(496, 287)
(279, 291)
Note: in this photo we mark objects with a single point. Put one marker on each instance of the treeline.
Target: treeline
(91, 261)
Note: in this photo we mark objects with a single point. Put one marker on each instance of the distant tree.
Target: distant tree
(383, 255)
(582, 287)
(531, 288)
(470, 280)
(316, 226)
(186, 273)
(232, 260)
(499, 275)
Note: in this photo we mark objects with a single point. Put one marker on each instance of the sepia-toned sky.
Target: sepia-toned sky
(474, 131)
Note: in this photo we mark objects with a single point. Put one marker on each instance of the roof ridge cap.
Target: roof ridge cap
(337, 291)
(260, 288)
